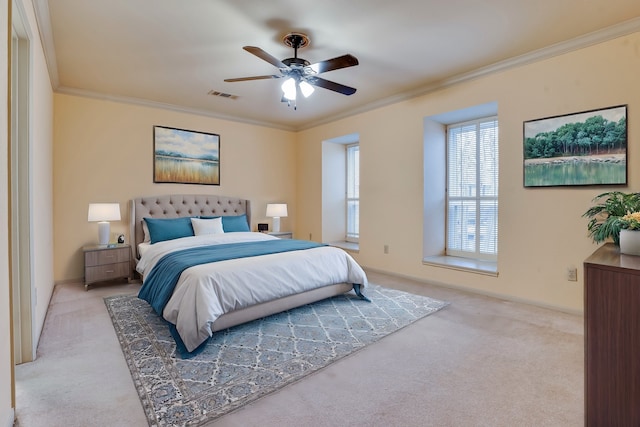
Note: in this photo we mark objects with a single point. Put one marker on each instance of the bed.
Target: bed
(228, 275)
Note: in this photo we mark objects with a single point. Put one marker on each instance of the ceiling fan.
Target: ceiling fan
(300, 74)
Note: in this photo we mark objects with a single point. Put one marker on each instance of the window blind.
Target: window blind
(472, 189)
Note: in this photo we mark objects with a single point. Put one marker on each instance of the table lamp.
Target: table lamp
(275, 211)
(102, 213)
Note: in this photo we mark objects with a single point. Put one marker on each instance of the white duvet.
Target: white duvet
(207, 291)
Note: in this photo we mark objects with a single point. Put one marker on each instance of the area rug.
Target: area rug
(249, 361)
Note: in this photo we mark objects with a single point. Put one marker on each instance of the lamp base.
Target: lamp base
(276, 224)
(103, 233)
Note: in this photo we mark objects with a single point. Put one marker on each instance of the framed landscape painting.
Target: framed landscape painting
(185, 157)
(586, 148)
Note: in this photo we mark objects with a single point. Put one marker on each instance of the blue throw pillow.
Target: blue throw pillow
(161, 229)
(235, 223)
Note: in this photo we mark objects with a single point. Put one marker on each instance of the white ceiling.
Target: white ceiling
(171, 53)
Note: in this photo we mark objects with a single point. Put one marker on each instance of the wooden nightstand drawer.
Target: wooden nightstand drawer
(106, 256)
(106, 272)
(102, 263)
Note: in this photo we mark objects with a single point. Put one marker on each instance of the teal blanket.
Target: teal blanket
(159, 284)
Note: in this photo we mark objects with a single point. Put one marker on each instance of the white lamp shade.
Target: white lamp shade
(289, 89)
(276, 210)
(306, 89)
(104, 212)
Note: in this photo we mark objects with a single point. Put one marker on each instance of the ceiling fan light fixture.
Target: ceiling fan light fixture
(289, 89)
(298, 73)
(306, 89)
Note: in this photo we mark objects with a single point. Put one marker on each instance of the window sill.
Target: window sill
(488, 268)
(347, 246)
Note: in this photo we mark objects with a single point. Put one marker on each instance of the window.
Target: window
(472, 189)
(353, 192)
(336, 187)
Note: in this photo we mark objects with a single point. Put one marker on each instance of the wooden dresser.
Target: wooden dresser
(612, 338)
(102, 263)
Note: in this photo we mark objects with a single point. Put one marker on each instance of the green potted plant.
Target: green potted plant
(606, 216)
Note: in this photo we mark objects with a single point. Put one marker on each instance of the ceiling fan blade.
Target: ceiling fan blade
(327, 84)
(343, 61)
(265, 56)
(244, 79)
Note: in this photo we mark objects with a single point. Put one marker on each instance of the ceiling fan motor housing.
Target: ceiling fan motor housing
(296, 66)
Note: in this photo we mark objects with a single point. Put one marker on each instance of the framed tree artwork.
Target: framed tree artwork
(185, 157)
(585, 148)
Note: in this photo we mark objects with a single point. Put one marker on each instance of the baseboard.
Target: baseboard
(68, 281)
(478, 292)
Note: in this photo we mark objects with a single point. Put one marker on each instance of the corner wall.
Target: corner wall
(541, 230)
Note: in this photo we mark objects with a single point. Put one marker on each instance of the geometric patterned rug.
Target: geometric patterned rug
(246, 362)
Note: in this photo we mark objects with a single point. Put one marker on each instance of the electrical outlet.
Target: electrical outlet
(572, 274)
(386, 249)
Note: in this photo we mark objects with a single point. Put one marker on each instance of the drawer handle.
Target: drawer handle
(109, 256)
(109, 271)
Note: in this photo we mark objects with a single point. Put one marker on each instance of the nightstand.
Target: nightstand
(281, 234)
(102, 263)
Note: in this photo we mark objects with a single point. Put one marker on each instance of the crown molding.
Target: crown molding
(170, 107)
(43, 21)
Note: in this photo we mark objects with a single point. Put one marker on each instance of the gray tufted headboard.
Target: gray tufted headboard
(179, 205)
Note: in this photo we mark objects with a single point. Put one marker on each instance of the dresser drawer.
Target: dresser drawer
(107, 256)
(106, 272)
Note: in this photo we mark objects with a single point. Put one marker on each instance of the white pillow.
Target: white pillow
(145, 231)
(207, 226)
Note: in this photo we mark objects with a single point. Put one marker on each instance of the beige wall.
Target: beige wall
(541, 230)
(104, 153)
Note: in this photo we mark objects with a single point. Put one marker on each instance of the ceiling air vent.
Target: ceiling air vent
(222, 94)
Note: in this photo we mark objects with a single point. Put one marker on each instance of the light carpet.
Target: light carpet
(248, 361)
